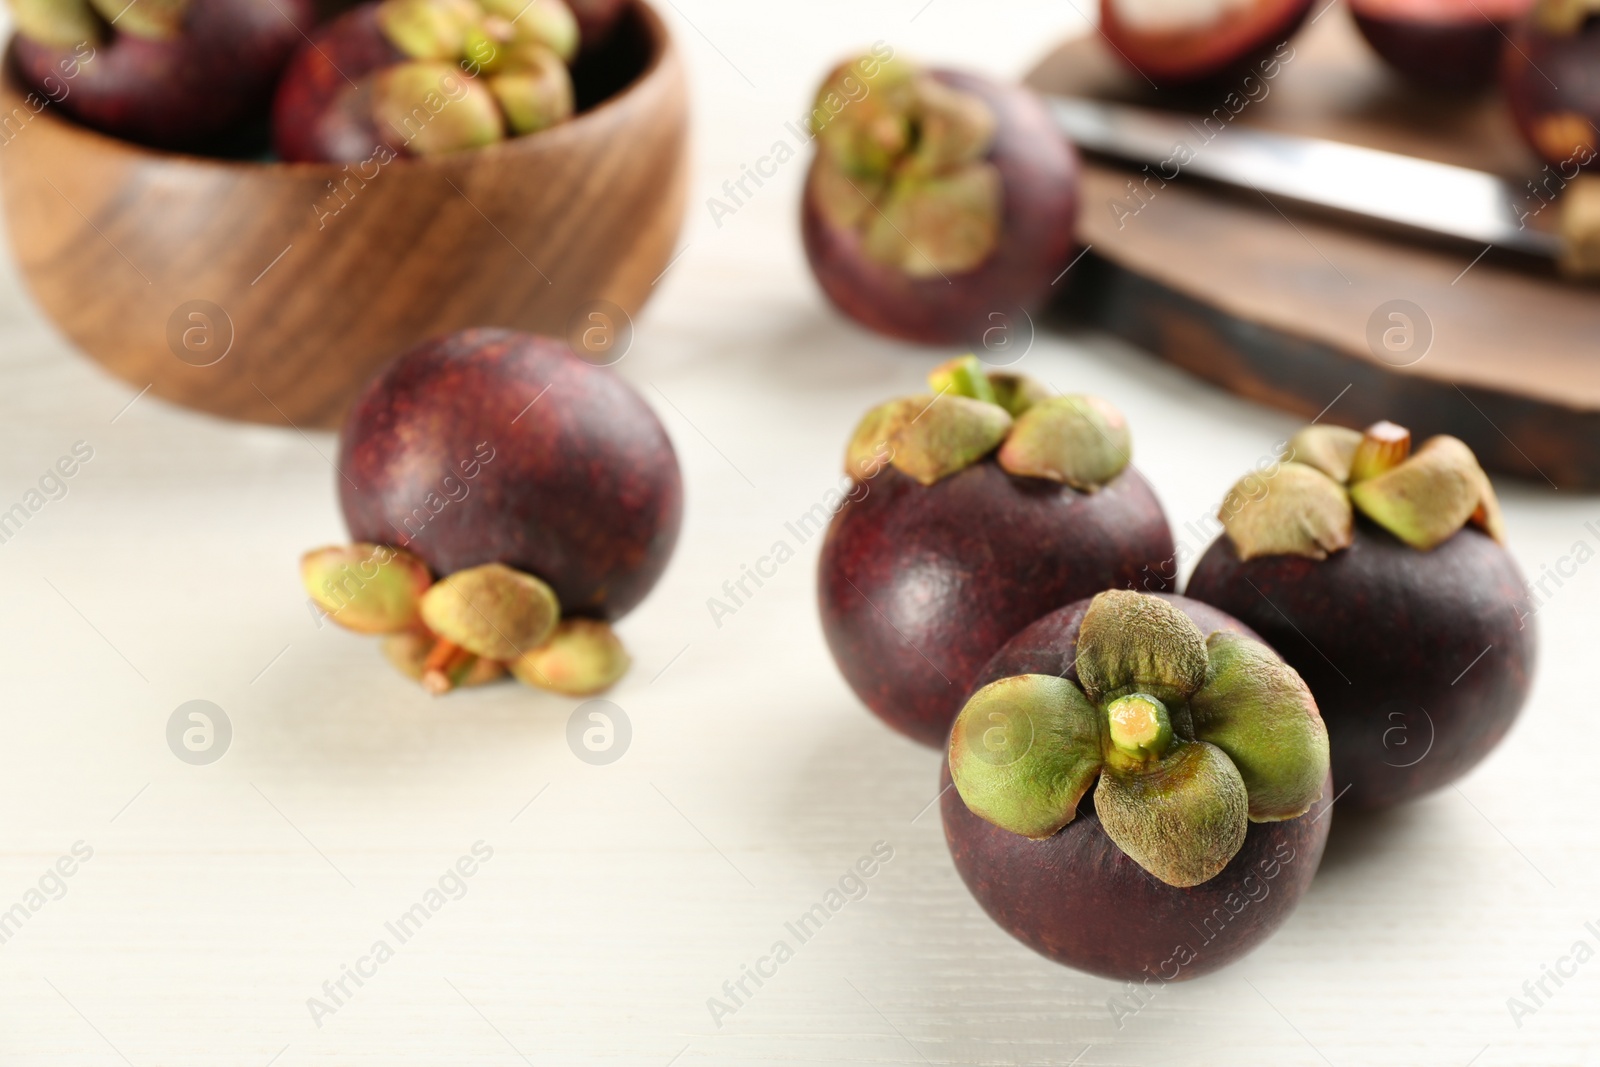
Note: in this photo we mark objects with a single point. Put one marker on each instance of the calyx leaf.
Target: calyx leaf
(1427, 498)
(930, 227)
(1017, 392)
(1023, 752)
(1330, 449)
(1258, 711)
(1080, 440)
(871, 445)
(1296, 510)
(582, 657)
(431, 107)
(962, 376)
(534, 92)
(491, 610)
(1135, 642)
(1182, 819)
(62, 23)
(154, 20)
(951, 434)
(368, 588)
(903, 161)
(1304, 508)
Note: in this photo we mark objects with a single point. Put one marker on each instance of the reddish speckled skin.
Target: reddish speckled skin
(958, 567)
(1039, 175)
(1397, 627)
(323, 107)
(1544, 74)
(216, 74)
(1078, 899)
(583, 489)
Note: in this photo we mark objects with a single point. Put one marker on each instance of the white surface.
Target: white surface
(624, 896)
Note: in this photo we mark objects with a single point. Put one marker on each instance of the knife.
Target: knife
(1416, 194)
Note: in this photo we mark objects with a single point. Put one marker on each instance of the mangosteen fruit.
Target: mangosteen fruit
(1381, 576)
(422, 77)
(1547, 75)
(938, 203)
(167, 73)
(497, 528)
(1442, 46)
(976, 508)
(1209, 766)
(596, 20)
(1180, 43)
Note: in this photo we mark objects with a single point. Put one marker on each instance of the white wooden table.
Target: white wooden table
(219, 899)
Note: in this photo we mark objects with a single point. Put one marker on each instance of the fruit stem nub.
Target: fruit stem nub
(446, 663)
(962, 376)
(1140, 726)
(1383, 447)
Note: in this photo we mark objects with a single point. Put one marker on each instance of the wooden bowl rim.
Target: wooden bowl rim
(661, 51)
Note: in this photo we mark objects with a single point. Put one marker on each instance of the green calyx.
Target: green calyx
(1563, 18)
(1305, 506)
(1080, 441)
(902, 161)
(67, 23)
(469, 628)
(1190, 738)
(477, 71)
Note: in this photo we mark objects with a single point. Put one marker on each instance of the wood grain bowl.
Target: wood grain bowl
(270, 291)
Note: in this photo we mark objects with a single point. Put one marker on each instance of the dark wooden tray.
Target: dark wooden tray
(1275, 304)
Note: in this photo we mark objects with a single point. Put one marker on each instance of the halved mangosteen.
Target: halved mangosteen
(1189, 42)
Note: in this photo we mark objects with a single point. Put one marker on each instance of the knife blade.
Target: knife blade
(1400, 190)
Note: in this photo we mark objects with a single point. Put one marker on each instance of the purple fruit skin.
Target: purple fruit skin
(1382, 634)
(1078, 899)
(1444, 57)
(1545, 74)
(951, 571)
(323, 110)
(217, 73)
(1039, 174)
(583, 489)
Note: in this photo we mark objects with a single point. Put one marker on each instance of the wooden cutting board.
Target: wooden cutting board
(1291, 307)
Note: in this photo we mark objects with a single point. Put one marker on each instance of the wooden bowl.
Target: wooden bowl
(272, 291)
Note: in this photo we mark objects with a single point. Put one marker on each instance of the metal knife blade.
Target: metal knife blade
(1400, 190)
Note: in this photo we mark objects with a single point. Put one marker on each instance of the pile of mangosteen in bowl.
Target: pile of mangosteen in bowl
(346, 183)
